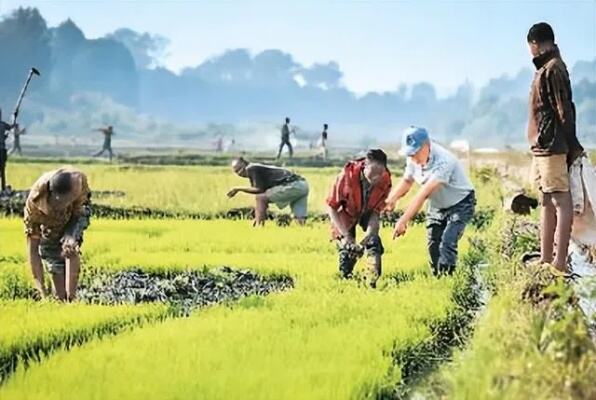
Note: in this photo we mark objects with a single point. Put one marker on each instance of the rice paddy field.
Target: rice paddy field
(323, 338)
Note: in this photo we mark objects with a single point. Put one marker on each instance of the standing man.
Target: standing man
(271, 184)
(554, 144)
(357, 198)
(107, 141)
(57, 212)
(324, 141)
(16, 144)
(443, 181)
(285, 139)
(4, 132)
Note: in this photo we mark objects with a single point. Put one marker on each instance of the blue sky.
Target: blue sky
(378, 44)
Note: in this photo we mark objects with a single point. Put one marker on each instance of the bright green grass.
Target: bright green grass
(175, 188)
(326, 338)
(330, 342)
(305, 252)
(28, 328)
(195, 189)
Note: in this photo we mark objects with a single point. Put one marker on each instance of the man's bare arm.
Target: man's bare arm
(249, 189)
(337, 222)
(398, 192)
(36, 265)
(424, 193)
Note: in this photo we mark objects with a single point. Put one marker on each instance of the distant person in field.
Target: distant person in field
(219, 144)
(452, 200)
(357, 198)
(4, 132)
(16, 143)
(107, 141)
(285, 139)
(57, 212)
(554, 144)
(270, 184)
(323, 141)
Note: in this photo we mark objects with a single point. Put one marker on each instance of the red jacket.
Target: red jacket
(346, 194)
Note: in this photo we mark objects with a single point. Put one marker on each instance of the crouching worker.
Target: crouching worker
(357, 198)
(272, 184)
(443, 181)
(57, 212)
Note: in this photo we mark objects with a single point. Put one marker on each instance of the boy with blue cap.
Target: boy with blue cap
(444, 183)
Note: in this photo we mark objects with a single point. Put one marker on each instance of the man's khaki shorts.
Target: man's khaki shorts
(550, 173)
(294, 194)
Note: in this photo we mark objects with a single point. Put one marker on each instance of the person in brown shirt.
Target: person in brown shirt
(554, 144)
(57, 212)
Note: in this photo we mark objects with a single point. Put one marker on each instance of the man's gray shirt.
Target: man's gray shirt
(443, 166)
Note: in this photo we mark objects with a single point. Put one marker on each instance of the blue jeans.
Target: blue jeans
(445, 227)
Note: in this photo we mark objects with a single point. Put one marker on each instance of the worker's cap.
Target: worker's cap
(413, 139)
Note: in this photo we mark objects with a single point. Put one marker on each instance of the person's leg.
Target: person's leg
(110, 153)
(374, 250)
(290, 149)
(50, 251)
(99, 153)
(58, 279)
(73, 267)
(261, 209)
(548, 224)
(347, 259)
(281, 147)
(3, 156)
(557, 216)
(300, 205)
(457, 219)
(449, 246)
(564, 210)
(435, 226)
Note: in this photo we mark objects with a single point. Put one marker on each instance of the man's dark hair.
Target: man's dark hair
(541, 33)
(287, 120)
(240, 160)
(325, 126)
(61, 183)
(377, 155)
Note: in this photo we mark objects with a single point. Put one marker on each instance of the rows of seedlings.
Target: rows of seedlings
(181, 291)
(12, 205)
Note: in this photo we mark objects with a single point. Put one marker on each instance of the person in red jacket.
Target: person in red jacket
(358, 198)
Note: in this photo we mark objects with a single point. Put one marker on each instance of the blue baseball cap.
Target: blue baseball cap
(413, 139)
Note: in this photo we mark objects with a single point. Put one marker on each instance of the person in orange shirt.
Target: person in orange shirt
(358, 198)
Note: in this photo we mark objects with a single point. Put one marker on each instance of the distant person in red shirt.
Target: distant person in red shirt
(358, 198)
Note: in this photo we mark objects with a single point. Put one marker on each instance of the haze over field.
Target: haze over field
(119, 78)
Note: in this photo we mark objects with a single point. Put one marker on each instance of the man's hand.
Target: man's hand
(389, 207)
(233, 192)
(400, 229)
(70, 246)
